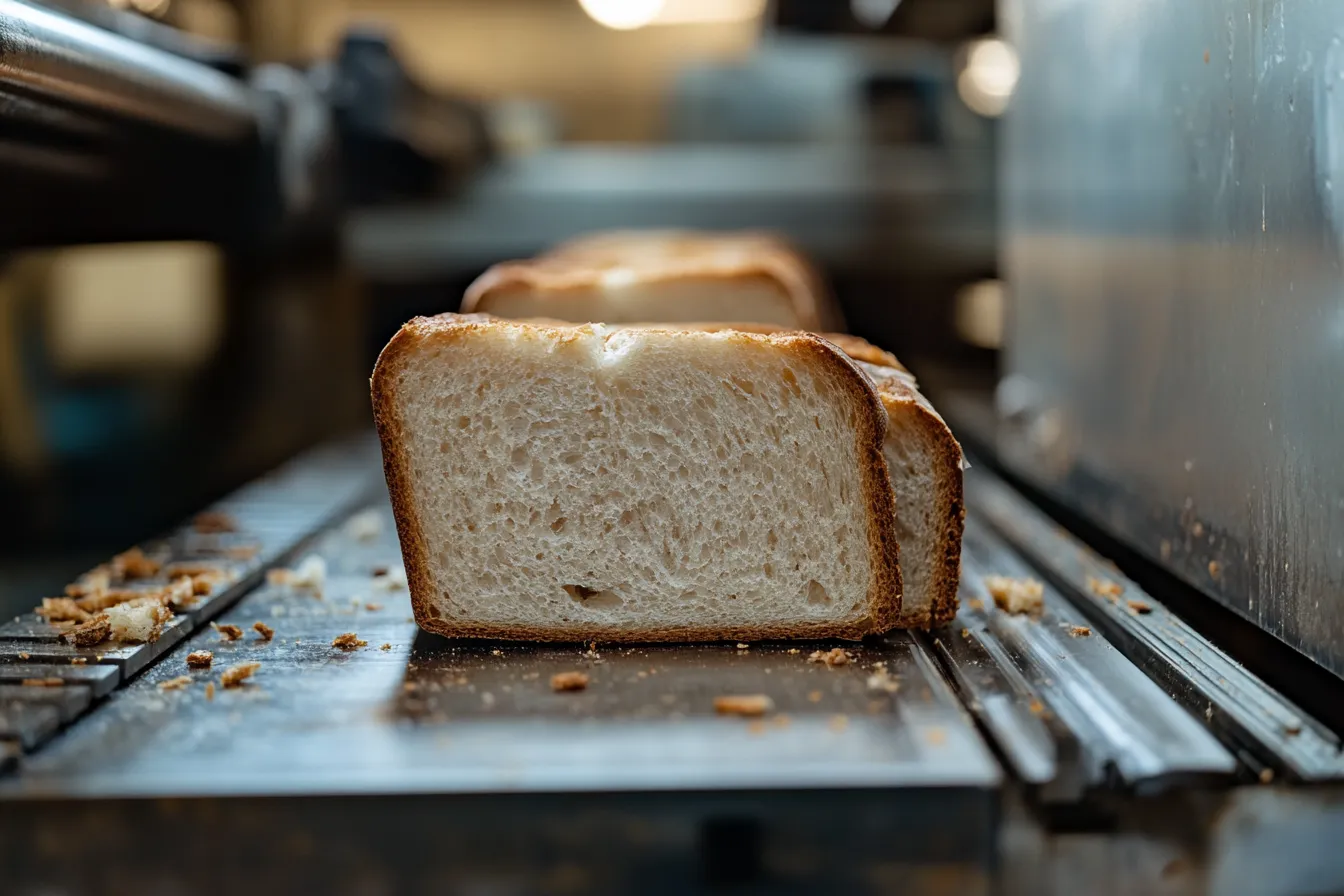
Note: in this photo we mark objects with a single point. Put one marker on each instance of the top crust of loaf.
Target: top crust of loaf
(663, 257)
(884, 593)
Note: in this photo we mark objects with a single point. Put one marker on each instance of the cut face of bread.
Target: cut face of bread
(924, 462)
(670, 276)
(566, 483)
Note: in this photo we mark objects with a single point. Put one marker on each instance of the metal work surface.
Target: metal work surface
(414, 758)
(1173, 212)
(414, 713)
(59, 58)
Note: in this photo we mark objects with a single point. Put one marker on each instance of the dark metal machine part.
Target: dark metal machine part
(849, 781)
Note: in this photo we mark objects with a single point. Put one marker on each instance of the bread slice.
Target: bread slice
(924, 462)
(579, 482)
(676, 276)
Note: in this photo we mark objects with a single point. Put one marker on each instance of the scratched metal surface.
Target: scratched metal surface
(1173, 211)
(414, 713)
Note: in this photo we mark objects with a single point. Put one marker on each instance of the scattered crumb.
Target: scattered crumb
(1036, 707)
(372, 607)
(794, 651)
(366, 525)
(743, 646)
(386, 647)
(1080, 631)
(1215, 569)
(200, 659)
(175, 684)
(569, 681)
(348, 641)
(86, 634)
(393, 579)
(265, 632)
(310, 575)
(814, 696)
(1292, 730)
(242, 551)
(975, 603)
(138, 621)
(487, 699)
(935, 737)
(838, 723)
(214, 522)
(24, 656)
(836, 656)
(1197, 529)
(1138, 607)
(1016, 595)
(61, 609)
(533, 676)
(134, 564)
(44, 682)
(209, 690)
(1266, 775)
(1104, 588)
(744, 705)
(496, 652)
(227, 632)
(236, 675)
(79, 661)
(881, 680)
(93, 582)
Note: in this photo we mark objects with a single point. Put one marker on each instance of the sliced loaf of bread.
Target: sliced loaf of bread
(577, 482)
(630, 276)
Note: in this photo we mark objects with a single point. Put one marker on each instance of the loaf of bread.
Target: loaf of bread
(670, 276)
(582, 482)
(924, 462)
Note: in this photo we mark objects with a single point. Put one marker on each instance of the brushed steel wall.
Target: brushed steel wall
(1174, 216)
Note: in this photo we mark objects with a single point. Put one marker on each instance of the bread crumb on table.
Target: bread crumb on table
(236, 675)
(134, 564)
(1139, 607)
(265, 631)
(24, 656)
(43, 682)
(348, 641)
(794, 651)
(881, 680)
(1104, 588)
(372, 607)
(138, 621)
(179, 683)
(366, 525)
(200, 659)
(742, 646)
(385, 647)
(209, 690)
(975, 603)
(393, 579)
(814, 696)
(1080, 631)
(214, 522)
(87, 634)
(79, 661)
(743, 705)
(61, 609)
(838, 723)
(1016, 595)
(569, 681)
(227, 632)
(836, 656)
(310, 575)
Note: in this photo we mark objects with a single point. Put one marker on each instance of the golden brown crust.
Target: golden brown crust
(884, 593)
(663, 256)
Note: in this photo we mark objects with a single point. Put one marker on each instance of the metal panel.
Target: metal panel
(1172, 227)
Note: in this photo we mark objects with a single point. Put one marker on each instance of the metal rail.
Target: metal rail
(58, 58)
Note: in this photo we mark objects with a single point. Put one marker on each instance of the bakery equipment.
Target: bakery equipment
(1109, 745)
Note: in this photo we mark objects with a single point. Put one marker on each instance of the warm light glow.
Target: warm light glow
(623, 15)
(979, 313)
(989, 76)
(706, 12)
(627, 15)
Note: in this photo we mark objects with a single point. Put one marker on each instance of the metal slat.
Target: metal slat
(1251, 717)
(70, 700)
(99, 679)
(1128, 730)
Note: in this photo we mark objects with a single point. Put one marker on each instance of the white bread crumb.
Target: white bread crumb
(366, 525)
(1016, 595)
(743, 705)
(138, 621)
